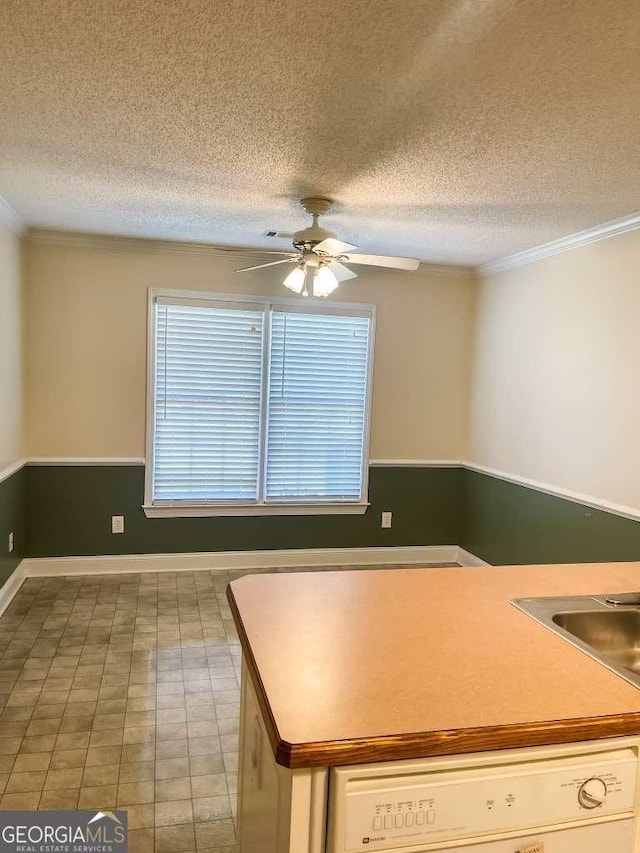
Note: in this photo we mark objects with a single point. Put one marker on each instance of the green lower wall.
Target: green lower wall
(70, 509)
(66, 511)
(508, 524)
(13, 517)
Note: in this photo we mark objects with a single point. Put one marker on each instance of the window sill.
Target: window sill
(213, 510)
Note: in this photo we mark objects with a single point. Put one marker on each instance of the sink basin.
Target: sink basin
(606, 627)
(615, 634)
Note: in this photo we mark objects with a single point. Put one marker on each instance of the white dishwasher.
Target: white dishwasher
(574, 798)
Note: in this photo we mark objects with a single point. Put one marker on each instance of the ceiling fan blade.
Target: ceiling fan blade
(383, 261)
(331, 246)
(291, 260)
(341, 272)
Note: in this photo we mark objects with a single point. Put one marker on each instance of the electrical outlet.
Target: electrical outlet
(386, 519)
(10, 541)
(117, 523)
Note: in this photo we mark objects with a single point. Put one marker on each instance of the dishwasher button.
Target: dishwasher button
(388, 821)
(399, 821)
(377, 824)
(431, 816)
(420, 818)
(409, 819)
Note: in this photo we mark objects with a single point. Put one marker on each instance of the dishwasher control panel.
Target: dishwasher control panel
(445, 805)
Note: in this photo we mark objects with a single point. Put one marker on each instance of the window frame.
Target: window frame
(195, 509)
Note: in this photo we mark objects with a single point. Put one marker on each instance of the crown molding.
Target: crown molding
(10, 218)
(118, 243)
(573, 241)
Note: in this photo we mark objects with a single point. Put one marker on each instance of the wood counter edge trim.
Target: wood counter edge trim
(455, 741)
(265, 708)
(297, 756)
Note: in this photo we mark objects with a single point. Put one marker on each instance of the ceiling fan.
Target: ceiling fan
(320, 258)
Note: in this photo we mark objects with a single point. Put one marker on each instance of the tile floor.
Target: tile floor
(123, 691)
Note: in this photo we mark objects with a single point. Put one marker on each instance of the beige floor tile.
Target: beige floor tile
(140, 703)
(230, 762)
(208, 786)
(109, 737)
(136, 792)
(175, 839)
(140, 815)
(19, 783)
(141, 841)
(204, 728)
(64, 779)
(173, 812)
(215, 834)
(75, 740)
(171, 748)
(139, 734)
(137, 771)
(100, 797)
(134, 719)
(102, 774)
(32, 761)
(231, 848)
(68, 758)
(172, 768)
(172, 731)
(53, 697)
(79, 709)
(136, 752)
(83, 694)
(205, 765)
(76, 724)
(167, 701)
(9, 745)
(48, 712)
(173, 789)
(206, 809)
(28, 801)
(16, 728)
(102, 722)
(229, 725)
(59, 799)
(205, 746)
(111, 706)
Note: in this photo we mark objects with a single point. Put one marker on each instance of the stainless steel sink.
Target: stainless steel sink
(606, 627)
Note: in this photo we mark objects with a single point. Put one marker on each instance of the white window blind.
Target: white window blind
(256, 405)
(316, 406)
(207, 403)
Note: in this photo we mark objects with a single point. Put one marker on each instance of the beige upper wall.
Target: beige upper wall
(556, 381)
(11, 341)
(86, 318)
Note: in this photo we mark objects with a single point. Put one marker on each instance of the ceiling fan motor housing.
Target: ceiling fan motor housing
(314, 234)
(311, 236)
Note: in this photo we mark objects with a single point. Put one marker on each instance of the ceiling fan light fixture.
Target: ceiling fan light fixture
(295, 280)
(324, 282)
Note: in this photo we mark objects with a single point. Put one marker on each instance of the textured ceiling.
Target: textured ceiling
(454, 130)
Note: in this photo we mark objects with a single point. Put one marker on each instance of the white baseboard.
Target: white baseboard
(411, 555)
(224, 560)
(11, 586)
(466, 558)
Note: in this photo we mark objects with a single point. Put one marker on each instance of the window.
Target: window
(256, 406)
